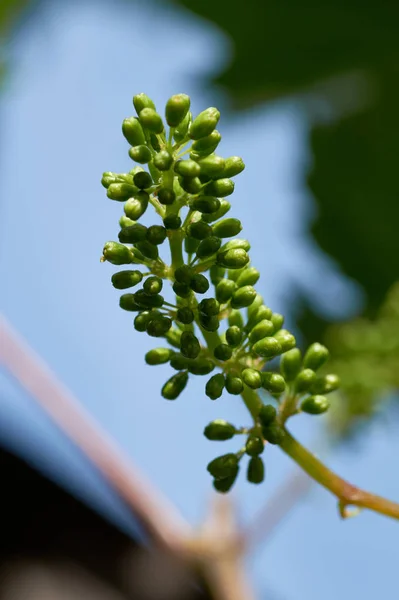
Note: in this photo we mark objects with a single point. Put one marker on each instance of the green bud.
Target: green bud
(117, 254)
(159, 326)
(252, 378)
(179, 362)
(142, 180)
(263, 313)
(209, 322)
(224, 485)
(176, 109)
(192, 185)
(201, 366)
(199, 284)
(254, 445)
(234, 384)
(108, 178)
(274, 434)
(208, 246)
(261, 330)
(233, 166)
(234, 274)
(219, 430)
(135, 170)
(184, 274)
(141, 320)
(158, 356)
(248, 276)
(286, 340)
(224, 290)
(181, 289)
(155, 142)
(127, 302)
(189, 345)
(325, 384)
(190, 245)
(219, 213)
(278, 321)
(216, 274)
(147, 301)
(185, 315)
(140, 154)
(233, 258)
(124, 221)
(214, 386)
(237, 244)
(273, 382)
(126, 279)
(243, 297)
(163, 160)
(208, 144)
(156, 234)
(315, 405)
(153, 285)
(199, 230)
(211, 165)
(180, 133)
(256, 470)
(315, 356)
(223, 466)
(205, 204)
(267, 415)
(235, 319)
(151, 120)
(172, 222)
(166, 197)
(304, 380)
(132, 234)
(223, 352)
(234, 336)
(220, 188)
(137, 255)
(135, 207)
(173, 337)
(175, 385)
(147, 249)
(133, 131)
(204, 123)
(121, 191)
(141, 101)
(290, 364)
(209, 306)
(268, 347)
(227, 228)
(187, 168)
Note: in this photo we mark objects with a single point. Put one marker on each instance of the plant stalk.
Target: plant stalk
(346, 493)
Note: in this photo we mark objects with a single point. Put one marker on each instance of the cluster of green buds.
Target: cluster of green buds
(214, 320)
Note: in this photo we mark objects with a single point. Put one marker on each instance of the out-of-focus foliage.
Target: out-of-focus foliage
(345, 52)
(340, 57)
(354, 180)
(9, 12)
(366, 356)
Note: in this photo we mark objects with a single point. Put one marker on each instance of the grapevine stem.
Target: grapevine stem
(346, 493)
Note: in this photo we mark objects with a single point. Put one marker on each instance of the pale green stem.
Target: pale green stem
(346, 493)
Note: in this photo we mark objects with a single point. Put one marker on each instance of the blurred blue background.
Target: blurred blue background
(74, 68)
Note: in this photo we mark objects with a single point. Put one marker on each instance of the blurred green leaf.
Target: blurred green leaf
(366, 357)
(286, 47)
(354, 179)
(10, 10)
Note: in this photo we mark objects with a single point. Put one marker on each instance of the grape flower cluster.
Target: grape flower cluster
(217, 324)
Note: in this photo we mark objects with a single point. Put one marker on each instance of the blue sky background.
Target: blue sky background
(75, 68)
